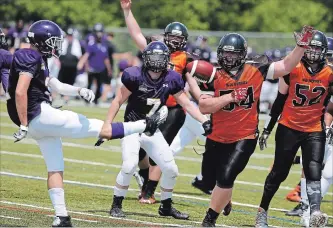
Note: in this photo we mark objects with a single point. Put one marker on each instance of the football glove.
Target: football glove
(263, 139)
(329, 135)
(208, 127)
(21, 133)
(87, 94)
(100, 141)
(239, 94)
(304, 38)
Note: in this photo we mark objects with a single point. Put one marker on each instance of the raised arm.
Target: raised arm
(285, 66)
(132, 25)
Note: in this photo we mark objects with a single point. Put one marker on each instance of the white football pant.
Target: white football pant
(52, 124)
(157, 148)
(187, 133)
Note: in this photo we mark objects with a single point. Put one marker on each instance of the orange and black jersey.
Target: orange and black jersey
(238, 121)
(304, 107)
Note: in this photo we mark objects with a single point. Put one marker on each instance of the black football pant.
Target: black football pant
(98, 76)
(287, 142)
(226, 161)
(170, 128)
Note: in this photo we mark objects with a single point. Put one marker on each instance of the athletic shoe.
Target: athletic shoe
(62, 221)
(154, 121)
(305, 218)
(318, 219)
(208, 221)
(171, 211)
(261, 219)
(294, 195)
(227, 209)
(199, 184)
(116, 208)
(298, 210)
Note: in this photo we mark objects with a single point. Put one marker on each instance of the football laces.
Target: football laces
(199, 79)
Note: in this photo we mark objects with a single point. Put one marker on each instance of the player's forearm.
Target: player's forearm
(62, 88)
(195, 112)
(328, 117)
(286, 65)
(108, 65)
(214, 104)
(113, 110)
(194, 88)
(21, 99)
(275, 111)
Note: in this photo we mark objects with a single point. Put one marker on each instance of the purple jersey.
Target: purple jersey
(32, 63)
(5, 61)
(15, 35)
(148, 95)
(97, 54)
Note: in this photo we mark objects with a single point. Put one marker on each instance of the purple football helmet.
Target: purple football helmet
(47, 37)
(156, 56)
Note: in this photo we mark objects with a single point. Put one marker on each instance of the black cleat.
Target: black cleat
(227, 209)
(298, 210)
(199, 184)
(155, 120)
(208, 221)
(116, 208)
(62, 221)
(171, 211)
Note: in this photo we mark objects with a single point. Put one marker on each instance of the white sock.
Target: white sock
(134, 127)
(120, 191)
(57, 196)
(304, 194)
(325, 185)
(165, 195)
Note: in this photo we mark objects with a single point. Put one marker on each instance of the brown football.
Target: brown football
(201, 70)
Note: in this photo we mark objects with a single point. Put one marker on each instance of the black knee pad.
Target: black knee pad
(313, 171)
(275, 177)
(226, 179)
(142, 154)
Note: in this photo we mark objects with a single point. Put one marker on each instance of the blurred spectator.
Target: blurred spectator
(98, 61)
(71, 53)
(202, 49)
(15, 35)
(270, 87)
(91, 37)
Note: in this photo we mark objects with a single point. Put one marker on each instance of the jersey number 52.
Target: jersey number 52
(303, 99)
(247, 103)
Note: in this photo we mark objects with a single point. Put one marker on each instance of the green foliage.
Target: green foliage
(217, 15)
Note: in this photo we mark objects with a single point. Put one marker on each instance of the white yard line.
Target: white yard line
(119, 166)
(118, 149)
(111, 187)
(10, 217)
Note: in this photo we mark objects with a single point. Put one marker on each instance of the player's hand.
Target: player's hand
(304, 38)
(21, 133)
(329, 135)
(208, 127)
(239, 94)
(87, 94)
(126, 4)
(100, 141)
(263, 139)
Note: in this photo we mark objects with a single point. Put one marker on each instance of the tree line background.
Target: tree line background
(215, 15)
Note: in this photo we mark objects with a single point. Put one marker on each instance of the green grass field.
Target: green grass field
(90, 174)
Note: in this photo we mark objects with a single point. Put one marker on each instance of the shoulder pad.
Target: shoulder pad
(259, 59)
(330, 65)
(27, 56)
